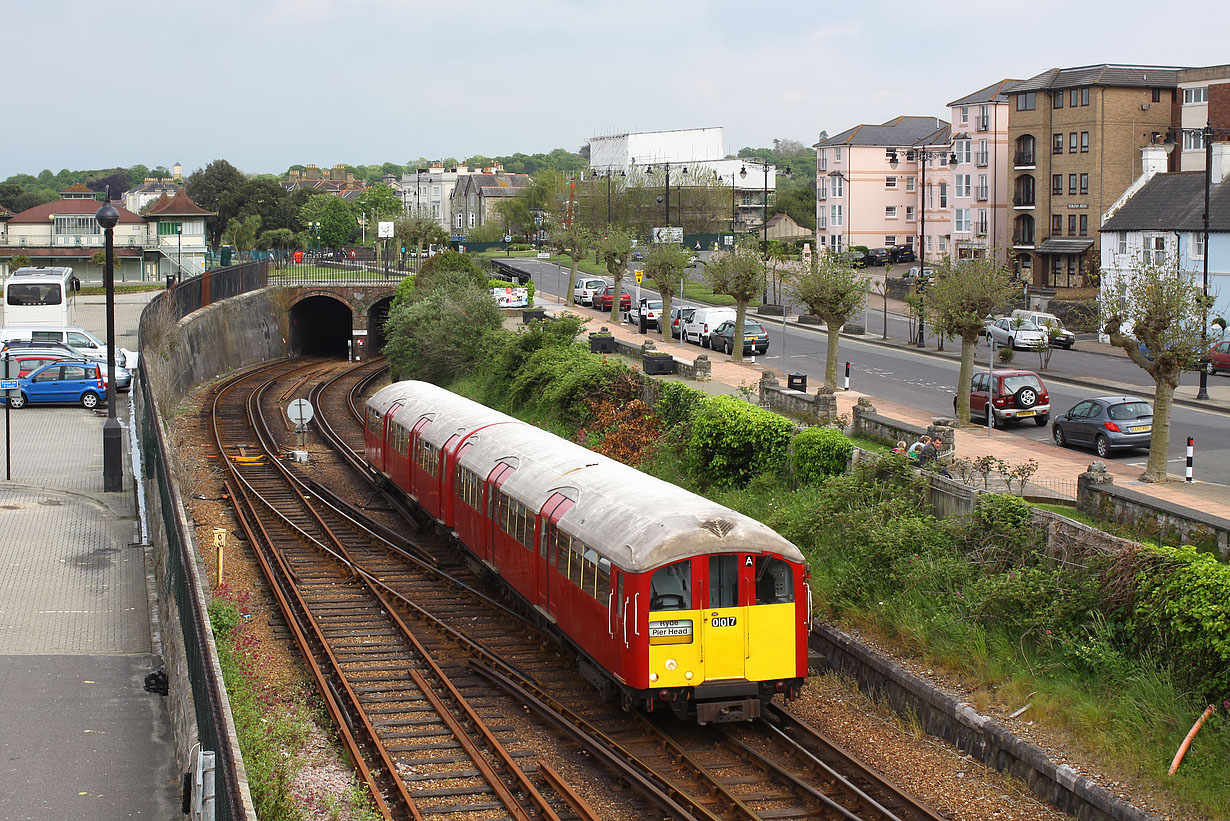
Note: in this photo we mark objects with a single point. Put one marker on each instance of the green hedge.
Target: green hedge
(817, 453)
(734, 441)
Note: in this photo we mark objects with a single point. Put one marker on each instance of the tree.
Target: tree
(280, 239)
(209, 188)
(573, 241)
(241, 233)
(441, 331)
(833, 291)
(419, 229)
(336, 218)
(959, 297)
(448, 265)
(379, 202)
(265, 198)
(739, 273)
(665, 262)
(615, 247)
(515, 212)
(1160, 307)
(19, 261)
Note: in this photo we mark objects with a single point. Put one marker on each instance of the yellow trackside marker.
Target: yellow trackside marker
(220, 544)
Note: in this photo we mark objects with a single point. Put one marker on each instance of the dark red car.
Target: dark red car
(603, 300)
(1019, 395)
(1219, 358)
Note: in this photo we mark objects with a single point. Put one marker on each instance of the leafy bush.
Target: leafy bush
(817, 453)
(442, 331)
(677, 404)
(999, 534)
(563, 380)
(733, 441)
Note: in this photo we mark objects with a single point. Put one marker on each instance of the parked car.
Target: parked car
(1060, 336)
(854, 259)
(926, 271)
(1018, 395)
(585, 288)
(1106, 423)
(1219, 358)
(755, 337)
(702, 323)
(903, 253)
(81, 340)
(880, 256)
(30, 356)
(680, 315)
(1017, 333)
(603, 299)
(61, 382)
(653, 310)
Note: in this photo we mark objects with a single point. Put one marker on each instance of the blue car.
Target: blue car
(61, 383)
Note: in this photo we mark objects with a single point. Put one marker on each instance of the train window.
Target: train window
(516, 520)
(576, 567)
(670, 588)
(399, 438)
(774, 581)
(469, 488)
(373, 420)
(427, 456)
(724, 580)
(594, 573)
(560, 549)
(602, 585)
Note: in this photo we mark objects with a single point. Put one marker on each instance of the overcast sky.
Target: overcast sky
(269, 83)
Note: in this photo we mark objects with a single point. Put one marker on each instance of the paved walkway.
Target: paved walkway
(79, 736)
(1057, 467)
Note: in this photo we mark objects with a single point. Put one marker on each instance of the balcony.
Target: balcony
(1024, 159)
(1023, 200)
(982, 123)
(981, 193)
(982, 158)
(1023, 241)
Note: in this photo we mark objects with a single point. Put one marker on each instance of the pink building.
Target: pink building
(981, 193)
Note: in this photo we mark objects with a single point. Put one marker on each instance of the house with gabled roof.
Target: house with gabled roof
(177, 224)
(475, 197)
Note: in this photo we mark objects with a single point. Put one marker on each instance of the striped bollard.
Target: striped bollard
(1190, 451)
(847, 385)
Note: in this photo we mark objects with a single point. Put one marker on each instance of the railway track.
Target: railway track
(393, 625)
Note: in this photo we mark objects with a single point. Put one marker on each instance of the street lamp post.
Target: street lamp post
(113, 471)
(923, 157)
(764, 241)
(667, 199)
(608, 176)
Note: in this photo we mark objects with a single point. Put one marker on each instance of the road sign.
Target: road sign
(300, 412)
(508, 237)
(671, 234)
(639, 275)
(384, 230)
(9, 384)
(544, 254)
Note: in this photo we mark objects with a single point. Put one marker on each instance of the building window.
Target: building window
(1084, 142)
(890, 182)
(1023, 194)
(909, 184)
(962, 149)
(1073, 97)
(964, 114)
(823, 159)
(943, 244)
(943, 195)
(837, 154)
(962, 184)
(1057, 99)
(928, 243)
(1195, 95)
(1195, 241)
(1072, 184)
(1057, 143)
(835, 215)
(909, 213)
(982, 220)
(930, 203)
(1084, 183)
(1084, 96)
(1084, 223)
(962, 219)
(1071, 225)
(1072, 143)
(890, 239)
(1023, 233)
(1056, 223)
(1123, 242)
(1056, 183)
(890, 212)
(1155, 249)
(1025, 149)
(1157, 95)
(1193, 140)
(1026, 101)
(837, 184)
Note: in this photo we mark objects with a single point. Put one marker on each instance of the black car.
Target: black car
(880, 256)
(755, 337)
(856, 259)
(903, 253)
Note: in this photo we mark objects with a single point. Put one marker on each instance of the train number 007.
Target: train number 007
(724, 621)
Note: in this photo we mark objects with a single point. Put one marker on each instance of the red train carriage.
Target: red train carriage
(672, 600)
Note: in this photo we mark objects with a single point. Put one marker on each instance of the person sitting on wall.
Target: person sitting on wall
(900, 447)
(918, 446)
(930, 455)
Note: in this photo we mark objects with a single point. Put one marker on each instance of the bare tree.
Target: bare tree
(616, 247)
(666, 262)
(960, 296)
(573, 241)
(1155, 318)
(739, 273)
(835, 292)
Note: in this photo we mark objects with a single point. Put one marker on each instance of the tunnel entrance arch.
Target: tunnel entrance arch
(320, 325)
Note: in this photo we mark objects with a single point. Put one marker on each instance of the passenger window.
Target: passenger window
(724, 580)
(79, 340)
(49, 375)
(671, 587)
(75, 372)
(774, 581)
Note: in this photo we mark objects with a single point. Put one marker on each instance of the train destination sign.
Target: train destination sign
(673, 631)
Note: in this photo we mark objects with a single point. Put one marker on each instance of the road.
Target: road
(927, 381)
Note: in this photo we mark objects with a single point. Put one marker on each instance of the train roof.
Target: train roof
(636, 521)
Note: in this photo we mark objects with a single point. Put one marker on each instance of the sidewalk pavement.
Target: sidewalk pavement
(1056, 466)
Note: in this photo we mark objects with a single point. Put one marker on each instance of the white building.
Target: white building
(1196, 86)
(431, 189)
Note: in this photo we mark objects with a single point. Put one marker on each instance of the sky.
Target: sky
(266, 84)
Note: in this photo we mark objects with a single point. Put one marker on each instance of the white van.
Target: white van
(79, 339)
(1065, 338)
(40, 296)
(703, 322)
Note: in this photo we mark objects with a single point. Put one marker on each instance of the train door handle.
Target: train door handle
(636, 609)
(610, 614)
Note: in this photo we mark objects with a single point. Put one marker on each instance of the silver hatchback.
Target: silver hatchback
(1107, 423)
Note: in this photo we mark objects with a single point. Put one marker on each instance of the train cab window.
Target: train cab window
(724, 580)
(774, 581)
(670, 588)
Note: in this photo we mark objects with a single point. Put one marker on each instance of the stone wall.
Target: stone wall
(700, 371)
(871, 425)
(816, 408)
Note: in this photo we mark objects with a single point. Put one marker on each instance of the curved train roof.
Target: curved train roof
(635, 520)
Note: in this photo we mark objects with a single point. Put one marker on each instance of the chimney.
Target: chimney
(1153, 159)
(1221, 162)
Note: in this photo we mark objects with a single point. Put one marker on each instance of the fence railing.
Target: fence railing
(196, 292)
(343, 272)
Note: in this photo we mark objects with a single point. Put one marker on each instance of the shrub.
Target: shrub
(817, 453)
(677, 404)
(733, 441)
(442, 332)
(999, 534)
(564, 380)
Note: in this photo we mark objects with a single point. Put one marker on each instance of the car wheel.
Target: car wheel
(1102, 446)
(1060, 439)
(18, 401)
(1210, 369)
(89, 400)
(728, 348)
(1041, 421)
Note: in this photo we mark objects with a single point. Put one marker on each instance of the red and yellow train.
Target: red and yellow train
(671, 600)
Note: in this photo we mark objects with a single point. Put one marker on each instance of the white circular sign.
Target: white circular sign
(300, 412)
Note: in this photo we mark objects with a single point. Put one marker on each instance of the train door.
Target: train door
(723, 623)
(385, 441)
(494, 479)
(548, 528)
(447, 468)
(775, 632)
(416, 438)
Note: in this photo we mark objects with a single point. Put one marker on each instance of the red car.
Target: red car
(603, 300)
(1219, 358)
(1018, 395)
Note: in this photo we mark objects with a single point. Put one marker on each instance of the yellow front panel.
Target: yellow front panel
(724, 631)
(674, 636)
(771, 641)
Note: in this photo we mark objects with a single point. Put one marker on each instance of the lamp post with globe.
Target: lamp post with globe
(113, 471)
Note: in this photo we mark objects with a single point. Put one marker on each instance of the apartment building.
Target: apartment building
(1204, 97)
(887, 184)
(430, 190)
(1076, 135)
(980, 192)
